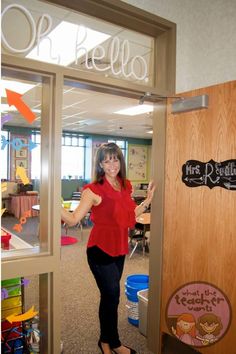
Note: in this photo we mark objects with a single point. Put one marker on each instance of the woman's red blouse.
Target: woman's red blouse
(112, 218)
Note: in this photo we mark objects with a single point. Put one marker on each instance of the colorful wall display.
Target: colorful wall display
(20, 157)
(211, 174)
(198, 314)
(137, 164)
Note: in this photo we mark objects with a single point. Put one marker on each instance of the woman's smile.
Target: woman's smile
(111, 166)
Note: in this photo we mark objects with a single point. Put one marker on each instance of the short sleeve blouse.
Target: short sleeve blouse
(112, 218)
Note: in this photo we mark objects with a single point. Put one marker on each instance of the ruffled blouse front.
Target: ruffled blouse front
(112, 218)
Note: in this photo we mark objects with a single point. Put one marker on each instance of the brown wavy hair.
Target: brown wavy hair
(209, 318)
(111, 150)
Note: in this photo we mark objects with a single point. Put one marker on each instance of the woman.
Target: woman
(112, 211)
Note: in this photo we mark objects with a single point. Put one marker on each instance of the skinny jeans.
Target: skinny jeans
(107, 272)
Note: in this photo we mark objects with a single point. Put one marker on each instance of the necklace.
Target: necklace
(116, 185)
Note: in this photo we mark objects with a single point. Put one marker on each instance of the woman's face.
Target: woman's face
(111, 166)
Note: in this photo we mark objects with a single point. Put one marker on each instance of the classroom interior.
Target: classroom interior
(79, 141)
(120, 89)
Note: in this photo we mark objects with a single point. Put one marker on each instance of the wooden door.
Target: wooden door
(200, 222)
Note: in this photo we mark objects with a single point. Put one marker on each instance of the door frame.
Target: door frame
(164, 33)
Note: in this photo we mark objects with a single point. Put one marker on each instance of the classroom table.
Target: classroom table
(142, 225)
(72, 206)
(23, 203)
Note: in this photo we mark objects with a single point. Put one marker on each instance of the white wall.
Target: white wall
(206, 39)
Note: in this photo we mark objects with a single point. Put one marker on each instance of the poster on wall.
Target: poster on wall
(211, 174)
(137, 162)
(20, 155)
(198, 314)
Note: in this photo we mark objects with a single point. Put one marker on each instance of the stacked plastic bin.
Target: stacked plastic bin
(134, 283)
(12, 303)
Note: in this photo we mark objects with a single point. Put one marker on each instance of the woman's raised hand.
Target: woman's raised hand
(150, 191)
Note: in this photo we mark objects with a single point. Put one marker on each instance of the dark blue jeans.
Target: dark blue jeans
(107, 272)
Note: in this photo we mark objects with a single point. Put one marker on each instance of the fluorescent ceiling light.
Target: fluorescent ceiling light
(136, 110)
(63, 43)
(6, 108)
(16, 86)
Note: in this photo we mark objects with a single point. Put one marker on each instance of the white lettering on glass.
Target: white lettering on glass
(120, 62)
(42, 35)
(30, 20)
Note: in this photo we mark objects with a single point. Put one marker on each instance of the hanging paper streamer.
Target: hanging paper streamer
(18, 227)
(17, 144)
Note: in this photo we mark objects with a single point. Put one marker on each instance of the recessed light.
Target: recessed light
(16, 86)
(136, 110)
(62, 39)
(6, 108)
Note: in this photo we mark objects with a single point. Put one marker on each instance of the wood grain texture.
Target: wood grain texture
(200, 223)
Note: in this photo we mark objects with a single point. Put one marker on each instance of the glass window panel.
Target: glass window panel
(121, 144)
(81, 141)
(88, 159)
(96, 46)
(38, 138)
(74, 141)
(67, 140)
(72, 165)
(4, 154)
(35, 163)
(21, 226)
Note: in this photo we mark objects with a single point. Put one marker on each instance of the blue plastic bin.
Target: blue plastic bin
(133, 284)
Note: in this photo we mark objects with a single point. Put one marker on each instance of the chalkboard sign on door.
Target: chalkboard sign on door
(211, 174)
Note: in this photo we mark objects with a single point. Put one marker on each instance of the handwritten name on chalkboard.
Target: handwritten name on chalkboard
(211, 174)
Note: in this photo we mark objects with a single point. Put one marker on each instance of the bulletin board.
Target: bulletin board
(137, 162)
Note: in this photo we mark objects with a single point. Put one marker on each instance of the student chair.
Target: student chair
(137, 236)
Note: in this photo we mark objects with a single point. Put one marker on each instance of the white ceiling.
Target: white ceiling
(88, 111)
(93, 112)
(83, 110)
